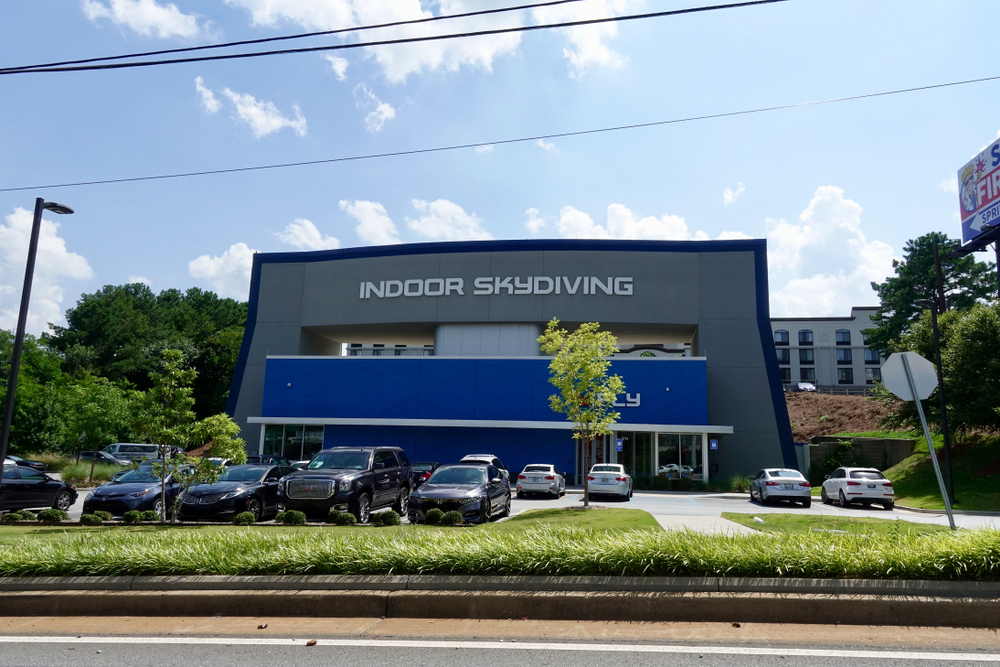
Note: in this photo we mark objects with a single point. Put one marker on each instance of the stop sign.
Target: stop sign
(923, 371)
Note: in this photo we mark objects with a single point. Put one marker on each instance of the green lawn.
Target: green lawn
(811, 523)
(593, 519)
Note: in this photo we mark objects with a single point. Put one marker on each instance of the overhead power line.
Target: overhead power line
(500, 142)
(320, 33)
(389, 42)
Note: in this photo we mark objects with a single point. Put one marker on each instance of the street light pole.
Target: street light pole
(929, 303)
(22, 316)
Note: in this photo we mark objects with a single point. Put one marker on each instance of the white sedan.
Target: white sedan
(610, 479)
(541, 478)
(862, 485)
(773, 484)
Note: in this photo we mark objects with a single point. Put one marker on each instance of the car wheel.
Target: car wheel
(364, 508)
(752, 498)
(807, 503)
(254, 507)
(505, 512)
(866, 503)
(520, 495)
(762, 497)
(889, 504)
(402, 505)
(843, 499)
(485, 512)
(158, 506)
(63, 500)
(825, 498)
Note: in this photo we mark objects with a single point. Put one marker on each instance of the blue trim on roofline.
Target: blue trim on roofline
(241, 361)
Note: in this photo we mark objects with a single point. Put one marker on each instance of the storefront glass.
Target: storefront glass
(312, 441)
(272, 439)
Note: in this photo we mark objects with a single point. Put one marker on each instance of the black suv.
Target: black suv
(350, 479)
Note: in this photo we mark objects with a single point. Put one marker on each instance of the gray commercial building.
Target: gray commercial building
(460, 370)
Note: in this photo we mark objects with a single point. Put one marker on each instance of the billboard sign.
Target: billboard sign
(979, 192)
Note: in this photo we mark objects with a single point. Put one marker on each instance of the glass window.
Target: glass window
(786, 473)
(344, 460)
(387, 459)
(32, 474)
(807, 357)
(784, 355)
(10, 472)
(786, 374)
(805, 337)
(643, 464)
(291, 443)
(607, 468)
(807, 374)
(845, 376)
(843, 337)
(866, 474)
(844, 357)
(873, 375)
(459, 476)
(781, 337)
(312, 441)
(864, 337)
(272, 438)
(242, 474)
(872, 356)
(691, 463)
(668, 445)
(403, 459)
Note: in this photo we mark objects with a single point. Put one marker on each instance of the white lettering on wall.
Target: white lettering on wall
(490, 285)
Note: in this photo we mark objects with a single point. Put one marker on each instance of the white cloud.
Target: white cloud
(374, 224)
(824, 264)
(303, 234)
(138, 279)
(145, 17)
(623, 224)
(730, 197)
(397, 61)
(545, 145)
(949, 184)
(263, 117)
(228, 274)
(587, 46)
(53, 263)
(534, 223)
(378, 111)
(485, 149)
(339, 66)
(208, 100)
(445, 220)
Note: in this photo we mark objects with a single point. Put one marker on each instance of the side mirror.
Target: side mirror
(826, 477)
(496, 480)
(379, 466)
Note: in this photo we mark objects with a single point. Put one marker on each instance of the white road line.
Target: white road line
(524, 646)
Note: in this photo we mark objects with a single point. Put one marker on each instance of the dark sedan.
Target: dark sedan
(420, 471)
(103, 458)
(246, 488)
(137, 489)
(23, 488)
(268, 459)
(479, 492)
(37, 465)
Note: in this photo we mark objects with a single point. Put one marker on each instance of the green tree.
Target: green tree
(579, 370)
(966, 282)
(39, 407)
(98, 413)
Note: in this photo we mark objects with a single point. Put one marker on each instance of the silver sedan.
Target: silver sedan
(774, 484)
(541, 478)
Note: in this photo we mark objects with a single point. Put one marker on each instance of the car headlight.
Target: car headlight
(344, 486)
(466, 501)
(89, 496)
(231, 494)
(139, 494)
(281, 485)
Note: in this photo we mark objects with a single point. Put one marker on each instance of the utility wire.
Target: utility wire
(559, 135)
(387, 42)
(264, 40)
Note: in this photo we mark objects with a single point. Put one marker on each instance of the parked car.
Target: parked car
(541, 478)
(245, 488)
(350, 479)
(103, 458)
(24, 488)
(858, 485)
(805, 386)
(37, 465)
(477, 490)
(8, 461)
(137, 489)
(674, 470)
(610, 479)
(421, 471)
(268, 459)
(219, 461)
(132, 451)
(487, 458)
(776, 484)
(300, 465)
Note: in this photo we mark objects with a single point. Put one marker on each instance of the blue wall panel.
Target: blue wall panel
(670, 391)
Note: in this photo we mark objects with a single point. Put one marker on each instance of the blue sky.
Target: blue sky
(837, 189)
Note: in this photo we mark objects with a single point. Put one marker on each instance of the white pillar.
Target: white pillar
(260, 446)
(704, 458)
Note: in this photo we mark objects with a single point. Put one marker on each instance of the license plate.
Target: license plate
(534, 479)
(871, 486)
(788, 486)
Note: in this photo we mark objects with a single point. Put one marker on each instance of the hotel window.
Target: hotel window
(807, 357)
(845, 376)
(873, 375)
(843, 337)
(378, 349)
(784, 356)
(872, 356)
(786, 374)
(781, 337)
(844, 358)
(805, 337)
(807, 374)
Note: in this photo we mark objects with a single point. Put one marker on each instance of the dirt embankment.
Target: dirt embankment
(823, 414)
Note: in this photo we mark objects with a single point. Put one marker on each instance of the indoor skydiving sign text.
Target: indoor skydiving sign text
(489, 285)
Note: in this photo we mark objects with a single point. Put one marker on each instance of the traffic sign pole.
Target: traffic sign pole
(927, 435)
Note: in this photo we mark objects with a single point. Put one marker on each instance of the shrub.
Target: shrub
(91, 520)
(334, 517)
(55, 462)
(28, 515)
(79, 473)
(452, 518)
(739, 483)
(12, 517)
(433, 516)
(53, 515)
(347, 519)
(387, 518)
(150, 515)
(291, 518)
(105, 516)
(132, 516)
(244, 519)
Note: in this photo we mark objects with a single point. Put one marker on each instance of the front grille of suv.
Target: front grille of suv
(310, 489)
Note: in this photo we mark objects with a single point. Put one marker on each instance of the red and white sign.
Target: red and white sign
(979, 192)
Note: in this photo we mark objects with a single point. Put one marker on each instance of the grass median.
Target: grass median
(538, 549)
(821, 523)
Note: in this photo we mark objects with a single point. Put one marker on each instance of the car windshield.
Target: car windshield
(459, 476)
(867, 474)
(140, 475)
(243, 474)
(537, 469)
(605, 469)
(420, 467)
(786, 473)
(334, 459)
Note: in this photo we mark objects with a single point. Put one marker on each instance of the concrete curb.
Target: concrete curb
(943, 513)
